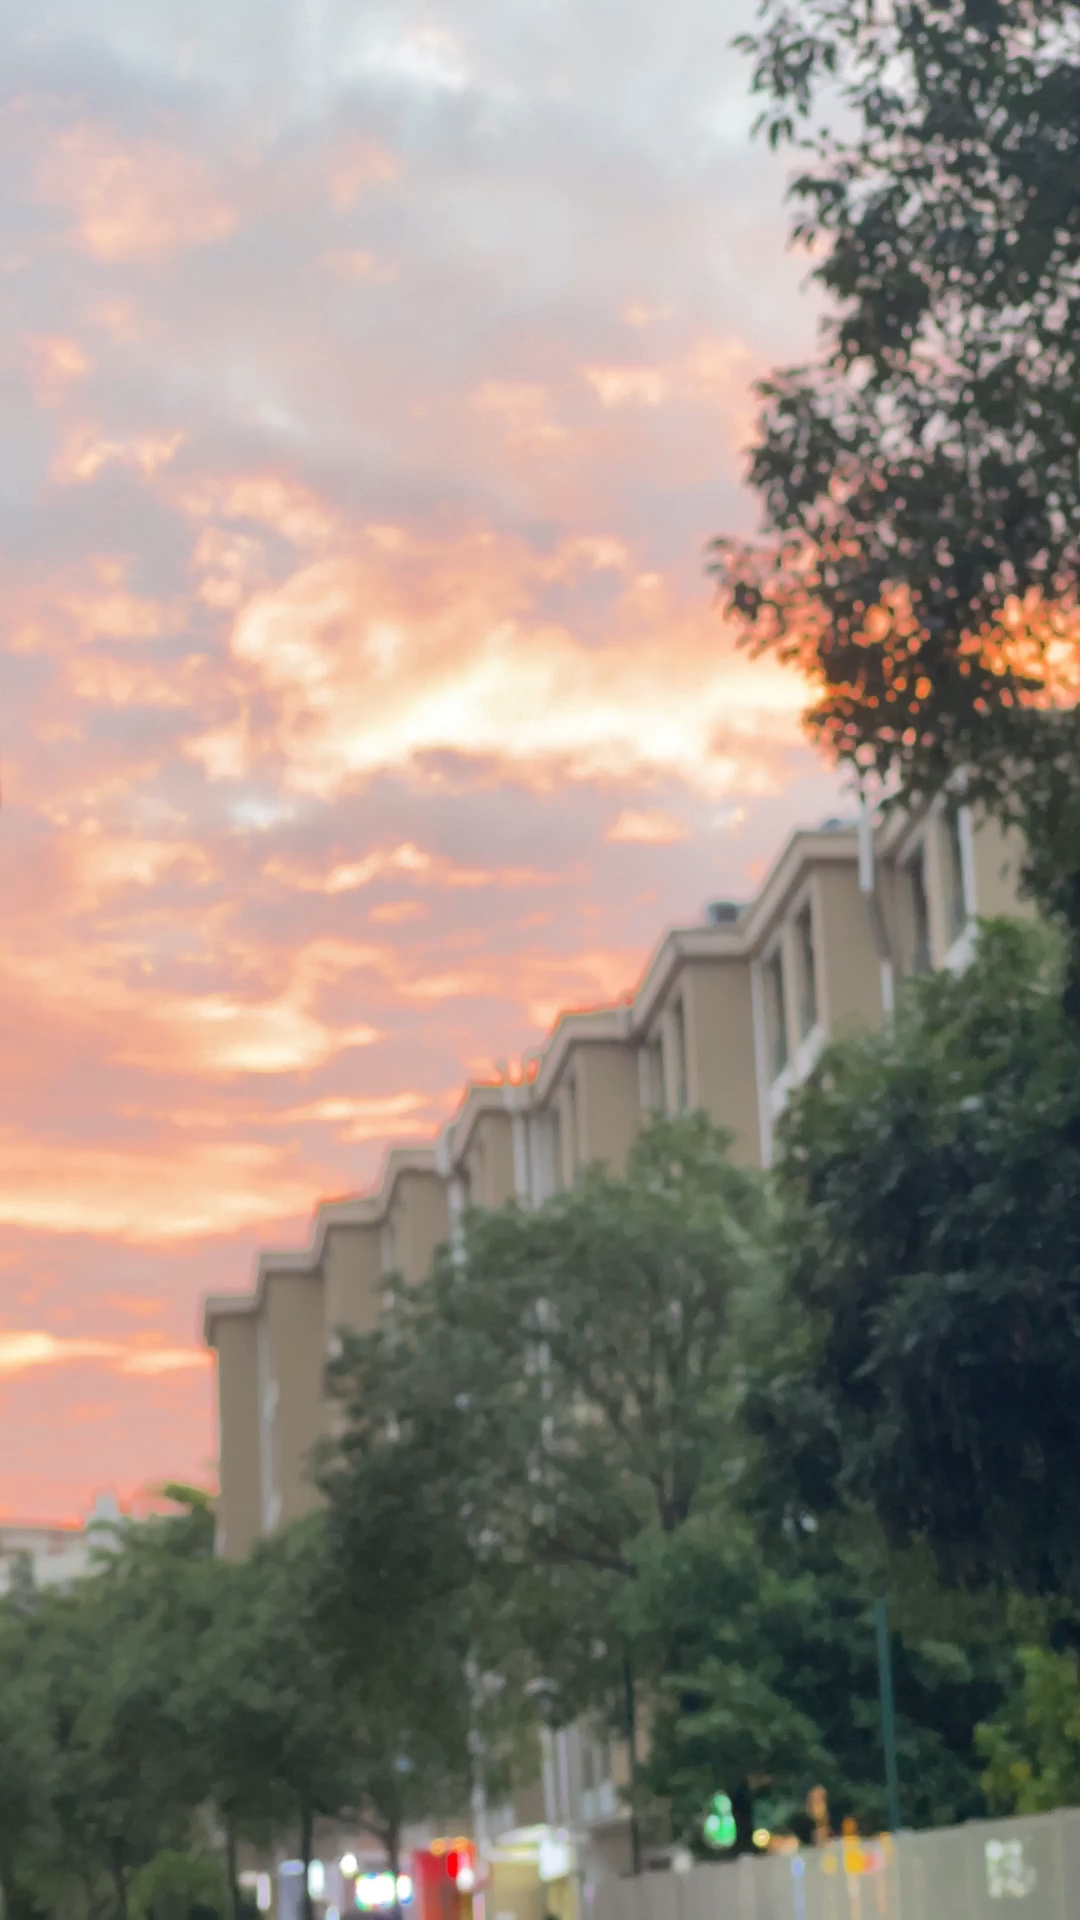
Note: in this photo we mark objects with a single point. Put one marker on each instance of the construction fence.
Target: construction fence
(982, 1871)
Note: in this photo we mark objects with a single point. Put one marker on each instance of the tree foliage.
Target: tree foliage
(545, 1443)
(1031, 1746)
(919, 477)
(556, 1390)
(170, 1706)
(934, 1279)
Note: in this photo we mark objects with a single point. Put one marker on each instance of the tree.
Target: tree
(932, 1182)
(1032, 1744)
(760, 1649)
(564, 1385)
(544, 1402)
(404, 1614)
(919, 477)
(281, 1733)
(27, 1764)
(545, 1441)
(116, 1646)
(226, 1700)
(176, 1886)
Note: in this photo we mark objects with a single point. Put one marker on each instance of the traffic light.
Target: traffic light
(718, 1826)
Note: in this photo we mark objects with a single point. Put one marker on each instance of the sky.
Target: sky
(373, 379)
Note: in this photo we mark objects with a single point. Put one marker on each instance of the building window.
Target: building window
(775, 1013)
(956, 902)
(804, 947)
(920, 914)
(651, 1077)
(573, 1139)
(555, 1149)
(679, 1075)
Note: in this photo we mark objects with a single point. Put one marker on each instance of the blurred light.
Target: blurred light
(466, 1879)
(375, 1891)
(719, 1826)
(316, 1879)
(762, 1836)
(349, 1865)
(264, 1893)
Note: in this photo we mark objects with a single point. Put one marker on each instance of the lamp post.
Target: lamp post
(888, 1713)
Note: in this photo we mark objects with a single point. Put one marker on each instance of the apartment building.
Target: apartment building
(691, 1025)
(273, 1344)
(729, 1016)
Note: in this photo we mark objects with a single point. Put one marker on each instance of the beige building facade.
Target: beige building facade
(274, 1344)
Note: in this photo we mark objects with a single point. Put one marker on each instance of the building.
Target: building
(55, 1556)
(729, 1016)
(273, 1344)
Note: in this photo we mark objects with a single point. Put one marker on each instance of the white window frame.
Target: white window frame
(805, 907)
(916, 850)
(775, 953)
(775, 1090)
(959, 955)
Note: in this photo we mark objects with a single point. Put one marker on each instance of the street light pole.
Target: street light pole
(631, 1743)
(888, 1713)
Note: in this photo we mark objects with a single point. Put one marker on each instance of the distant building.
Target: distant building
(56, 1555)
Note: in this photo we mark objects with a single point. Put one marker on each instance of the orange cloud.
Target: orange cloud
(398, 1116)
(351, 876)
(85, 451)
(55, 362)
(25, 1352)
(629, 386)
(146, 1193)
(19, 1352)
(108, 864)
(131, 202)
(647, 827)
(417, 647)
(393, 913)
(524, 411)
(357, 166)
(718, 372)
(276, 501)
(197, 1033)
(640, 314)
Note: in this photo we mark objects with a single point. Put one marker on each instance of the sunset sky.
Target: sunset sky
(374, 376)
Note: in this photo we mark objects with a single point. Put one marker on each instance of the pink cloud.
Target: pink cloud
(23, 1352)
(647, 827)
(130, 200)
(364, 703)
(216, 1189)
(55, 364)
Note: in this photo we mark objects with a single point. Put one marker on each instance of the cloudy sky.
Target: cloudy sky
(373, 377)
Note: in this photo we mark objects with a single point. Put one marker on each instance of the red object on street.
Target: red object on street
(435, 1873)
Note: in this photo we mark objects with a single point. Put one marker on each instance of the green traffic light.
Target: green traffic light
(718, 1825)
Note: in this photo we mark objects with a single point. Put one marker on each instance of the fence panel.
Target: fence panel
(981, 1871)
